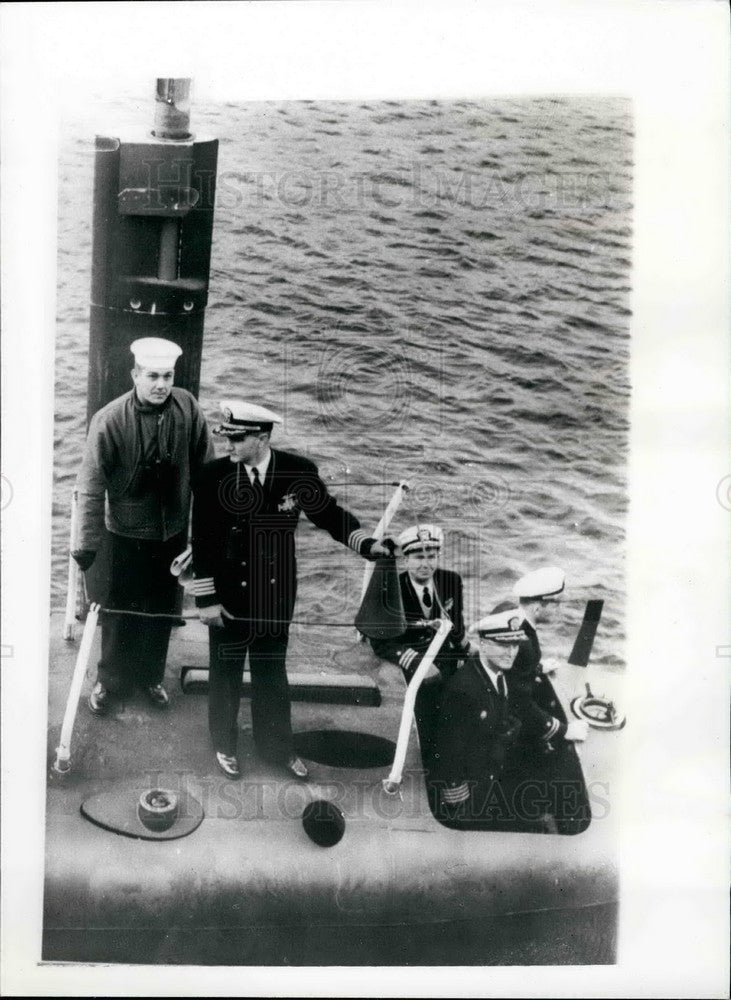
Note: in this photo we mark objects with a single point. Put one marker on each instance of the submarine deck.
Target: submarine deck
(249, 887)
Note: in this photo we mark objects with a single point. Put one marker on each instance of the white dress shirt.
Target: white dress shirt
(261, 468)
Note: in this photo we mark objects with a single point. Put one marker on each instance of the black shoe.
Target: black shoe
(229, 765)
(158, 696)
(297, 768)
(99, 699)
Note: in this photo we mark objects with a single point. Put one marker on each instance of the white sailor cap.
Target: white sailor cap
(501, 625)
(544, 582)
(154, 352)
(420, 536)
(240, 418)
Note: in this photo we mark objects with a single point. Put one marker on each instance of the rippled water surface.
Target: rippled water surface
(429, 291)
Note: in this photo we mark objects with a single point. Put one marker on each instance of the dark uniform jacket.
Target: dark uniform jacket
(474, 734)
(407, 650)
(243, 541)
(536, 722)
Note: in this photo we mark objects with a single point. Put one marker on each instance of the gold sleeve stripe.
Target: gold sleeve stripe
(356, 539)
(458, 794)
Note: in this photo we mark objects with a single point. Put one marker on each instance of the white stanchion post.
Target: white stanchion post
(63, 750)
(392, 783)
(181, 562)
(381, 529)
(69, 622)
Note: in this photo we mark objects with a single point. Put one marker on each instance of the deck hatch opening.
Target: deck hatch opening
(337, 748)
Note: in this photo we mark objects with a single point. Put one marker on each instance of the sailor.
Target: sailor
(476, 730)
(539, 595)
(429, 593)
(142, 451)
(245, 512)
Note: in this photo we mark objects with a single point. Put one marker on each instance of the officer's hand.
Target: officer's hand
(577, 730)
(384, 547)
(211, 615)
(83, 558)
(549, 665)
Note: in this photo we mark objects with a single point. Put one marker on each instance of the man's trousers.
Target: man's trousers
(134, 649)
(230, 647)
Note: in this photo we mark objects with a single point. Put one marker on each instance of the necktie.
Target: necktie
(257, 487)
(501, 686)
(426, 598)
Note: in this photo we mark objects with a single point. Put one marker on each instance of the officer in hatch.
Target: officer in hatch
(476, 730)
(429, 593)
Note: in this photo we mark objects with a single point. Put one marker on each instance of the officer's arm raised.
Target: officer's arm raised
(323, 510)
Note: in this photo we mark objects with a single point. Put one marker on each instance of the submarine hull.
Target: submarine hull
(249, 887)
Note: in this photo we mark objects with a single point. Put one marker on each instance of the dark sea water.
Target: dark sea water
(431, 291)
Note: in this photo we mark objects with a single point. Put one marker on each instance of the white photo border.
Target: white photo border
(671, 58)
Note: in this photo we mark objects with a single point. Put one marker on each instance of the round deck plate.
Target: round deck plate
(116, 810)
(597, 713)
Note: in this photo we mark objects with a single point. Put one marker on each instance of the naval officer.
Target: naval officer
(245, 512)
(476, 730)
(539, 595)
(429, 593)
(141, 453)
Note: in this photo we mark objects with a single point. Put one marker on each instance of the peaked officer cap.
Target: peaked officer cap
(501, 626)
(420, 536)
(545, 582)
(239, 416)
(154, 352)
